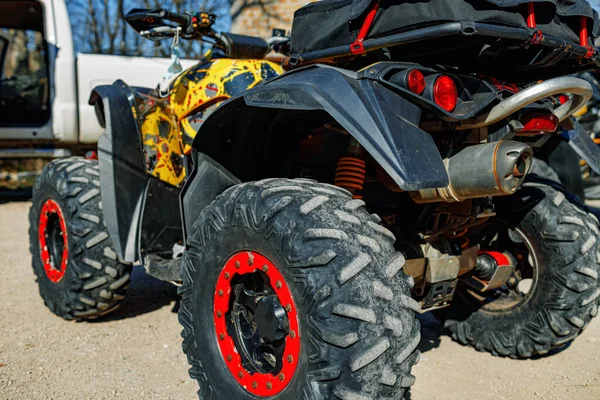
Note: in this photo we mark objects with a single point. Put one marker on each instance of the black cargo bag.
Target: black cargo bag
(331, 23)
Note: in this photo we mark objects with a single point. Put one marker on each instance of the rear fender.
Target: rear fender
(123, 178)
(383, 122)
(580, 141)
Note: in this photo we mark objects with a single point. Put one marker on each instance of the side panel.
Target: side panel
(199, 90)
(123, 176)
(384, 123)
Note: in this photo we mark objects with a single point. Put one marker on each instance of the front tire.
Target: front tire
(564, 290)
(78, 272)
(357, 331)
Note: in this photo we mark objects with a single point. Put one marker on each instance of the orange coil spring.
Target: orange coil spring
(350, 174)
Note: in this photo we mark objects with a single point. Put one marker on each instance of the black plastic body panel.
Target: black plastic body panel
(160, 226)
(582, 143)
(205, 182)
(123, 177)
(383, 122)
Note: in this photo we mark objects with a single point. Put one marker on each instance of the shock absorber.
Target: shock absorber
(351, 170)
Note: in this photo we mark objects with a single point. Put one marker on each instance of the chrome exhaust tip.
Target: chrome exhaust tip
(489, 169)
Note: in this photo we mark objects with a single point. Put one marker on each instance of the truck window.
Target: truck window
(24, 86)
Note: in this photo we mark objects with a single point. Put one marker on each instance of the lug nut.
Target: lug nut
(222, 336)
(281, 377)
(292, 334)
(220, 293)
(265, 267)
(240, 374)
(237, 264)
(250, 260)
(290, 358)
(269, 385)
(219, 313)
(278, 284)
(288, 308)
(254, 384)
(226, 275)
(228, 357)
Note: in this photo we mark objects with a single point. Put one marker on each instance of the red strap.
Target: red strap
(357, 47)
(583, 33)
(590, 52)
(530, 15)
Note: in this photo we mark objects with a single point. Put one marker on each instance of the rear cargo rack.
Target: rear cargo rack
(586, 55)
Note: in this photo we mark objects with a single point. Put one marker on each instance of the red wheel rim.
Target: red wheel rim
(257, 383)
(49, 216)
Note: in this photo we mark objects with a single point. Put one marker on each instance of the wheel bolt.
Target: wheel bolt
(228, 357)
(292, 334)
(222, 336)
(220, 293)
(254, 385)
(237, 264)
(278, 284)
(290, 358)
(219, 313)
(269, 385)
(265, 267)
(240, 374)
(281, 377)
(288, 308)
(226, 275)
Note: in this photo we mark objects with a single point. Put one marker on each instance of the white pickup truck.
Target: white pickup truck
(45, 86)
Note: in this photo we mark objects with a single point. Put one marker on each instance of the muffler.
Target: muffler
(489, 169)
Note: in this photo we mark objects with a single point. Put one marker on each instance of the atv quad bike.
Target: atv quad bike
(385, 174)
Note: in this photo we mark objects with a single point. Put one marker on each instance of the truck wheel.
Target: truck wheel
(77, 270)
(552, 295)
(292, 290)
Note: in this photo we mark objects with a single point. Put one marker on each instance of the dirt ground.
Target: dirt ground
(135, 353)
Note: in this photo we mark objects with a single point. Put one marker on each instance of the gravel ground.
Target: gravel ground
(135, 353)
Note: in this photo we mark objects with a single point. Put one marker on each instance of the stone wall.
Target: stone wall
(254, 21)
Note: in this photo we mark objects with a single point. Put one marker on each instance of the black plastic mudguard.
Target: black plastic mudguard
(580, 140)
(123, 177)
(383, 122)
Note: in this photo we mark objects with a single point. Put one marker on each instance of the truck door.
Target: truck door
(24, 73)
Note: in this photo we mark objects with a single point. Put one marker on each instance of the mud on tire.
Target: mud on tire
(357, 322)
(94, 280)
(565, 297)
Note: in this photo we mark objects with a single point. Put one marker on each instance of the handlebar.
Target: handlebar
(180, 19)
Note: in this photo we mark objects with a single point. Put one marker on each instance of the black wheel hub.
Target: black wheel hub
(258, 323)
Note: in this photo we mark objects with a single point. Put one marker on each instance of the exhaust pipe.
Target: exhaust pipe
(489, 169)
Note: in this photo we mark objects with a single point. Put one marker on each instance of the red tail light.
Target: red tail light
(415, 81)
(445, 93)
(563, 98)
(539, 123)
